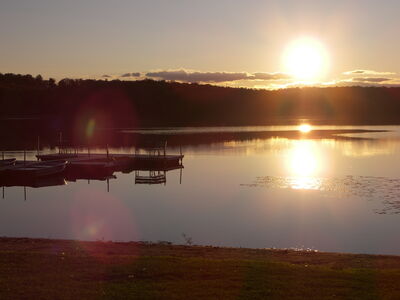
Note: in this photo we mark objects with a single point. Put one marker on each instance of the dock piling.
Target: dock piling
(60, 145)
(38, 145)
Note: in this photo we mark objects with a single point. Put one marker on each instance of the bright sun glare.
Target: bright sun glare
(305, 128)
(303, 159)
(306, 59)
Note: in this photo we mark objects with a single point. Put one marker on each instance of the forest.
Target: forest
(72, 104)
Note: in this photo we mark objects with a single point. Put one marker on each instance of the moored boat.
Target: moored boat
(5, 163)
(73, 177)
(90, 168)
(35, 169)
(34, 182)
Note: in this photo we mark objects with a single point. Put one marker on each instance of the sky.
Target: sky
(230, 43)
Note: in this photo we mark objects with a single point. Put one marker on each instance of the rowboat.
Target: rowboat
(35, 169)
(73, 177)
(5, 163)
(90, 168)
(34, 182)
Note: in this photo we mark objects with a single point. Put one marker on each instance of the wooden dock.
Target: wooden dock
(101, 156)
(101, 166)
(126, 160)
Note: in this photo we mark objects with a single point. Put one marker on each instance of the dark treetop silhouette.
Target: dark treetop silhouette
(73, 104)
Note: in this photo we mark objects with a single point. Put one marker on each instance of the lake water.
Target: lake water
(330, 194)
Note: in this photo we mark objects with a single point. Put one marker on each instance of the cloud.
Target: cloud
(182, 75)
(367, 72)
(214, 77)
(371, 79)
(365, 82)
(269, 76)
(136, 74)
(261, 80)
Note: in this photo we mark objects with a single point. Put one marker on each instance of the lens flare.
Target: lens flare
(96, 215)
(90, 128)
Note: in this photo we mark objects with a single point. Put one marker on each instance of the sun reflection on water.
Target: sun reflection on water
(304, 163)
(302, 158)
(305, 183)
(305, 128)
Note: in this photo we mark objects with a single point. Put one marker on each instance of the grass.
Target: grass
(59, 269)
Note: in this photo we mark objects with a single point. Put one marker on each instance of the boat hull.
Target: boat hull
(35, 169)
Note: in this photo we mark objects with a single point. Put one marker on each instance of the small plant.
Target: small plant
(164, 243)
(188, 239)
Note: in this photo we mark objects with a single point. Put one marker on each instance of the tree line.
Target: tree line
(74, 104)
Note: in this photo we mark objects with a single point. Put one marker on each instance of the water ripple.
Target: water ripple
(385, 189)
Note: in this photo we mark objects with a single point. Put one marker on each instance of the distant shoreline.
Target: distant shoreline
(74, 103)
(27, 140)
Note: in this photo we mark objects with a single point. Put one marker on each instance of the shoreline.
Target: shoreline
(66, 269)
(165, 247)
(126, 138)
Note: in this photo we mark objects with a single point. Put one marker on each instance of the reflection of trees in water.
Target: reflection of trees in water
(348, 147)
(367, 148)
(387, 190)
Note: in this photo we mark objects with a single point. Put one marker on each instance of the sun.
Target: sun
(306, 59)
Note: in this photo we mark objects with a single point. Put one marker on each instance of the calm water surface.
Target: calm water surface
(329, 195)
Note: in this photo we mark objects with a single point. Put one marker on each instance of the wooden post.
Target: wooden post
(108, 185)
(24, 156)
(107, 151)
(180, 177)
(180, 150)
(24, 193)
(60, 145)
(38, 145)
